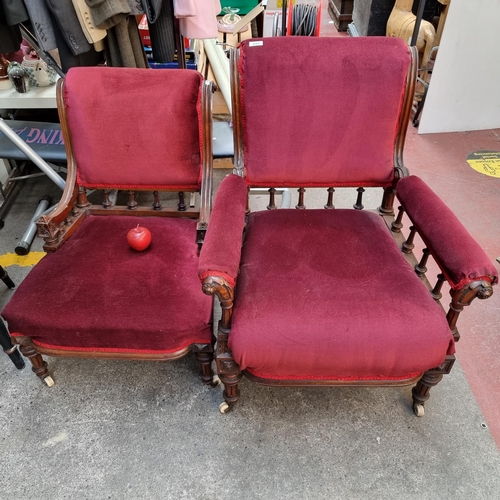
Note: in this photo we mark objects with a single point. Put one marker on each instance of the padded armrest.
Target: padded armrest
(460, 257)
(221, 251)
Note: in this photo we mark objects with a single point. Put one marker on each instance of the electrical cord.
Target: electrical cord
(304, 20)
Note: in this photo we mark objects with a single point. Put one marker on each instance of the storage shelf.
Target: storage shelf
(36, 97)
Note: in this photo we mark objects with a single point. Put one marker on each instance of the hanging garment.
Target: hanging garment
(10, 37)
(42, 24)
(204, 23)
(184, 8)
(124, 47)
(108, 13)
(66, 17)
(123, 44)
(12, 12)
(135, 7)
(89, 28)
(160, 15)
(66, 55)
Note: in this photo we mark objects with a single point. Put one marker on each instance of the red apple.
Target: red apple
(139, 238)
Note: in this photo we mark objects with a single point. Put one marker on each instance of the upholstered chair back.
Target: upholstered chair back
(310, 120)
(103, 112)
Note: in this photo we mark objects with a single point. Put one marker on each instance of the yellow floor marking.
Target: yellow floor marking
(485, 162)
(12, 259)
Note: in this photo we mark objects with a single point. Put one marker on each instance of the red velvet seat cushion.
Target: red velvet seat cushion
(96, 292)
(104, 108)
(326, 294)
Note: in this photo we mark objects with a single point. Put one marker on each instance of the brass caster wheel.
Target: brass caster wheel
(418, 409)
(224, 407)
(48, 381)
(215, 381)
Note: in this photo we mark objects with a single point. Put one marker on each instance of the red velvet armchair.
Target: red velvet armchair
(136, 135)
(332, 296)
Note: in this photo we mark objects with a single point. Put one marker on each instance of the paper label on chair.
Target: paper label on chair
(256, 44)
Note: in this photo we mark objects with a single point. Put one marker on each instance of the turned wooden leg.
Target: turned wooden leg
(9, 348)
(230, 375)
(205, 355)
(430, 378)
(38, 365)
(206, 372)
(420, 392)
(231, 392)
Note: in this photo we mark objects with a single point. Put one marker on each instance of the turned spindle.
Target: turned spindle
(397, 225)
(181, 206)
(131, 204)
(408, 245)
(156, 202)
(81, 200)
(421, 267)
(436, 291)
(300, 205)
(359, 201)
(272, 204)
(329, 203)
(106, 202)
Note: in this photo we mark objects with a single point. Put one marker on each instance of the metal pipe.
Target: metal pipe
(23, 247)
(276, 21)
(221, 75)
(24, 177)
(34, 157)
(418, 22)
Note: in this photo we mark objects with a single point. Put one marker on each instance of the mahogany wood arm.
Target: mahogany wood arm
(400, 171)
(460, 258)
(221, 251)
(215, 285)
(218, 269)
(49, 226)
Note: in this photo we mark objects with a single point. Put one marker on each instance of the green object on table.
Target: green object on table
(245, 6)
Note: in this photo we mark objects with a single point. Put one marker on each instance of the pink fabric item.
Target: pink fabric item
(95, 292)
(326, 294)
(221, 250)
(462, 258)
(135, 128)
(204, 23)
(184, 8)
(321, 111)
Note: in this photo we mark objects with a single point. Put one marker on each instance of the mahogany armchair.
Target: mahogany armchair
(136, 135)
(332, 296)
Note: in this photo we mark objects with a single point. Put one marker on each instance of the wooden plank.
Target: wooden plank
(223, 163)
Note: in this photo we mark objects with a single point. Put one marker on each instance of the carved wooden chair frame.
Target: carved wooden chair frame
(229, 371)
(74, 207)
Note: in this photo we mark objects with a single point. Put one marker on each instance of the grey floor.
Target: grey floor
(118, 429)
